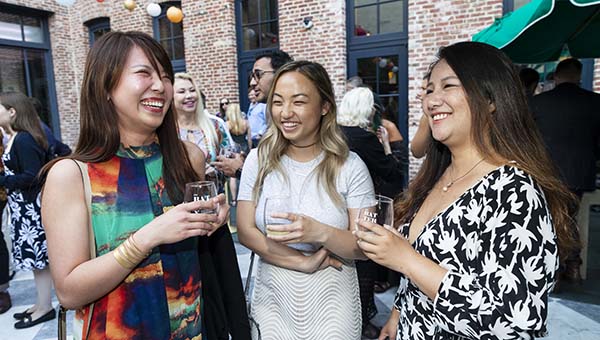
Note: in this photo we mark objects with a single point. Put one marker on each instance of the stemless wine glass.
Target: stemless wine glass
(276, 204)
(377, 209)
(230, 150)
(201, 191)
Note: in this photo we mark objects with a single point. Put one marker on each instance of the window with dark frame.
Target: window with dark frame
(170, 36)
(260, 24)
(373, 17)
(25, 59)
(97, 28)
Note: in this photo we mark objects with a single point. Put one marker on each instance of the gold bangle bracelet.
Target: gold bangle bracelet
(125, 249)
(125, 256)
(134, 244)
(128, 254)
(121, 260)
(131, 254)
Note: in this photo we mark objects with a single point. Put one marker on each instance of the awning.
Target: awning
(538, 31)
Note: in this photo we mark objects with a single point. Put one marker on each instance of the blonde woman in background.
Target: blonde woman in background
(194, 124)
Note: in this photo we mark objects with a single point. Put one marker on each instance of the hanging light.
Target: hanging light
(153, 10)
(174, 14)
(129, 4)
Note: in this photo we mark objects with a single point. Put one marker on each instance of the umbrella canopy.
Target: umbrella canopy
(538, 31)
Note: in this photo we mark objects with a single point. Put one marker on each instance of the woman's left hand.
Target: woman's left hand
(384, 245)
(303, 229)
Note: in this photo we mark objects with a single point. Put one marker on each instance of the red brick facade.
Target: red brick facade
(210, 42)
(432, 24)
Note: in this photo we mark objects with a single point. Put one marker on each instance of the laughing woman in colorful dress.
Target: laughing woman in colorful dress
(145, 281)
(485, 217)
(23, 157)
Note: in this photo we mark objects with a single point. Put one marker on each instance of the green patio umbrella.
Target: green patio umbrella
(538, 31)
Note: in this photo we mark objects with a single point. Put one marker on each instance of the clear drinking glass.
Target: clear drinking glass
(377, 209)
(230, 150)
(201, 191)
(276, 204)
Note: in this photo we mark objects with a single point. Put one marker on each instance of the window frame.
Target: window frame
(178, 64)
(245, 58)
(95, 25)
(45, 47)
(258, 23)
(374, 38)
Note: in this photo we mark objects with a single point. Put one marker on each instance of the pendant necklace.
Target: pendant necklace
(447, 186)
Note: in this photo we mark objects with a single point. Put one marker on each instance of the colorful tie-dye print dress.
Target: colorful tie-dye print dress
(161, 298)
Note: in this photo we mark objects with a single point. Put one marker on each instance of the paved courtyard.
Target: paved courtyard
(568, 319)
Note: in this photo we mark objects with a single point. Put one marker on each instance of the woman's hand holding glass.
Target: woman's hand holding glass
(182, 222)
(378, 209)
(207, 191)
(384, 245)
(302, 229)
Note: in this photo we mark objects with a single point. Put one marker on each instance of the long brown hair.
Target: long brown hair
(508, 133)
(99, 136)
(26, 118)
(273, 144)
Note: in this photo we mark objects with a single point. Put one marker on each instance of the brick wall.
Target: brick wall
(210, 42)
(432, 24)
(324, 43)
(210, 48)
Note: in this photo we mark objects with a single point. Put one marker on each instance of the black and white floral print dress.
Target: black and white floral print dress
(23, 158)
(499, 247)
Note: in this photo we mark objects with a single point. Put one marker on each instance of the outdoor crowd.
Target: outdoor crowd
(131, 227)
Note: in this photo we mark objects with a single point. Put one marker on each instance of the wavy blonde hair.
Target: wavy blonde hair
(203, 121)
(234, 116)
(273, 144)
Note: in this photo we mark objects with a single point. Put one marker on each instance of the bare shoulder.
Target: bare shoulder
(63, 184)
(194, 152)
(64, 171)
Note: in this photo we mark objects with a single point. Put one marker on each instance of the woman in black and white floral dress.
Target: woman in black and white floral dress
(484, 219)
(24, 156)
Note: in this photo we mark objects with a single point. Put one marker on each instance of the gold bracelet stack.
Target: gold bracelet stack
(128, 254)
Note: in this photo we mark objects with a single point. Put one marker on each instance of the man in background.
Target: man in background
(261, 81)
(568, 118)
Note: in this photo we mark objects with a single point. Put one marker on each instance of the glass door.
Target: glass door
(384, 70)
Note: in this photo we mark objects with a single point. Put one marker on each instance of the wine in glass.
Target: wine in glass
(276, 204)
(376, 209)
(201, 191)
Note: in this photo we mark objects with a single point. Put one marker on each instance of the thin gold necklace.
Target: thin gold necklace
(447, 186)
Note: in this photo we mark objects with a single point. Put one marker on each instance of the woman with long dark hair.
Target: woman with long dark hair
(484, 219)
(145, 282)
(24, 155)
